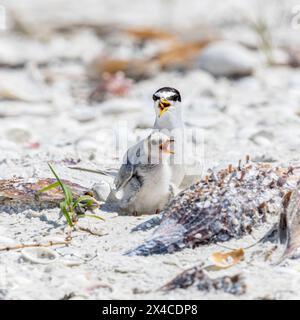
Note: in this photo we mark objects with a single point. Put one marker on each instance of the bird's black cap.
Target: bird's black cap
(174, 94)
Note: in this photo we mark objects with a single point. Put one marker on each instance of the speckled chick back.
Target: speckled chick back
(226, 204)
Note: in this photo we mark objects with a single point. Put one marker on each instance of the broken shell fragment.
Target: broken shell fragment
(229, 259)
(199, 278)
(40, 255)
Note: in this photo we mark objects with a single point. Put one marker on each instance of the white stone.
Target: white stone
(226, 58)
(101, 190)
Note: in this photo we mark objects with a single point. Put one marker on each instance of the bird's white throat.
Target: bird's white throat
(171, 119)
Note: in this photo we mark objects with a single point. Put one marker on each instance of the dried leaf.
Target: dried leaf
(229, 259)
(134, 68)
(181, 54)
(110, 65)
(145, 33)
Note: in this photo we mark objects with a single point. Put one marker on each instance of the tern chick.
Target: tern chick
(145, 187)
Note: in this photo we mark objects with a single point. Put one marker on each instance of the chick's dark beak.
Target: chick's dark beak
(166, 148)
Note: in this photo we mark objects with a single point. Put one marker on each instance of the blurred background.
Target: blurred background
(71, 71)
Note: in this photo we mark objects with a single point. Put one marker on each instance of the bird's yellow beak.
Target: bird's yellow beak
(164, 104)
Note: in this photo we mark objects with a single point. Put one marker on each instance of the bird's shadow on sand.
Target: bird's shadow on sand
(110, 207)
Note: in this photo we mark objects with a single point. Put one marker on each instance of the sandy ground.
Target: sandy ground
(256, 115)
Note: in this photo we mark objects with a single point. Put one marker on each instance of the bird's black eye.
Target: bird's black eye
(155, 97)
(174, 98)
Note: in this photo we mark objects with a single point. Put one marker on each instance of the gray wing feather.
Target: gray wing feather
(106, 172)
(125, 174)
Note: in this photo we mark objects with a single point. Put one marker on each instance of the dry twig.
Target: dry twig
(22, 246)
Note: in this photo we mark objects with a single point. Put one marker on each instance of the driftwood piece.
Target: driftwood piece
(17, 194)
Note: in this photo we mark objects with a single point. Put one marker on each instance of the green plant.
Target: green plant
(264, 35)
(71, 208)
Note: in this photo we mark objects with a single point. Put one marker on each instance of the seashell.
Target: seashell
(226, 58)
(40, 255)
(238, 199)
(72, 262)
(18, 135)
(20, 87)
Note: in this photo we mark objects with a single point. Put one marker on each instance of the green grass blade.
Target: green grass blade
(68, 195)
(66, 190)
(88, 201)
(63, 208)
(94, 216)
(49, 187)
(82, 198)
